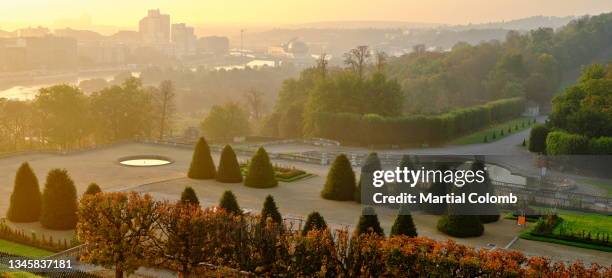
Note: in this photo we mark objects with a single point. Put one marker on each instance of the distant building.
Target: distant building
(38, 53)
(91, 54)
(33, 32)
(213, 44)
(155, 28)
(183, 40)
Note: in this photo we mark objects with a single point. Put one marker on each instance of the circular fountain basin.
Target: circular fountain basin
(145, 161)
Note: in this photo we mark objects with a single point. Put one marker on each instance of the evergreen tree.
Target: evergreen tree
(93, 189)
(404, 225)
(270, 211)
(340, 182)
(59, 201)
(189, 197)
(228, 203)
(314, 221)
(438, 188)
(202, 166)
(26, 199)
(458, 223)
(366, 179)
(485, 140)
(229, 169)
(368, 223)
(491, 210)
(261, 171)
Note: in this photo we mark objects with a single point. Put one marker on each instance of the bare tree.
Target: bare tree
(322, 64)
(381, 60)
(254, 100)
(357, 58)
(165, 99)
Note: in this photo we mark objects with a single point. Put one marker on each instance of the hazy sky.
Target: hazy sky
(126, 13)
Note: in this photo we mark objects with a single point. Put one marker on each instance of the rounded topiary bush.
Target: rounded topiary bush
(93, 189)
(270, 210)
(202, 166)
(189, 197)
(461, 225)
(537, 139)
(260, 173)
(26, 198)
(229, 169)
(314, 221)
(340, 182)
(368, 223)
(228, 203)
(59, 201)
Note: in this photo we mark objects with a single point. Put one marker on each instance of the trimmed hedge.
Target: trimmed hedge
(59, 202)
(229, 203)
(537, 138)
(189, 197)
(261, 171)
(340, 183)
(202, 166)
(411, 130)
(26, 198)
(229, 169)
(601, 145)
(561, 143)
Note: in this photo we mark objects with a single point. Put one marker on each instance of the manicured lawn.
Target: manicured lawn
(601, 185)
(22, 250)
(478, 136)
(577, 222)
(593, 223)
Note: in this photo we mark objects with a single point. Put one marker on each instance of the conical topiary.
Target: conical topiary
(93, 189)
(26, 199)
(404, 225)
(260, 173)
(314, 221)
(59, 201)
(366, 178)
(340, 182)
(228, 203)
(202, 166)
(270, 211)
(490, 210)
(189, 197)
(229, 169)
(438, 188)
(368, 223)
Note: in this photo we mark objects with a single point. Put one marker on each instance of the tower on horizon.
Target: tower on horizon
(155, 27)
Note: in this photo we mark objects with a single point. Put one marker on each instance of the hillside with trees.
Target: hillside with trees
(435, 96)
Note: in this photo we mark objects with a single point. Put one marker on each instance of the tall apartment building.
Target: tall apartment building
(183, 39)
(155, 28)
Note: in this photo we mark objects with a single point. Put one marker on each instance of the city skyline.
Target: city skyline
(102, 16)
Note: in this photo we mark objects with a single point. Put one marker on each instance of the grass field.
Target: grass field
(22, 250)
(478, 136)
(577, 222)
